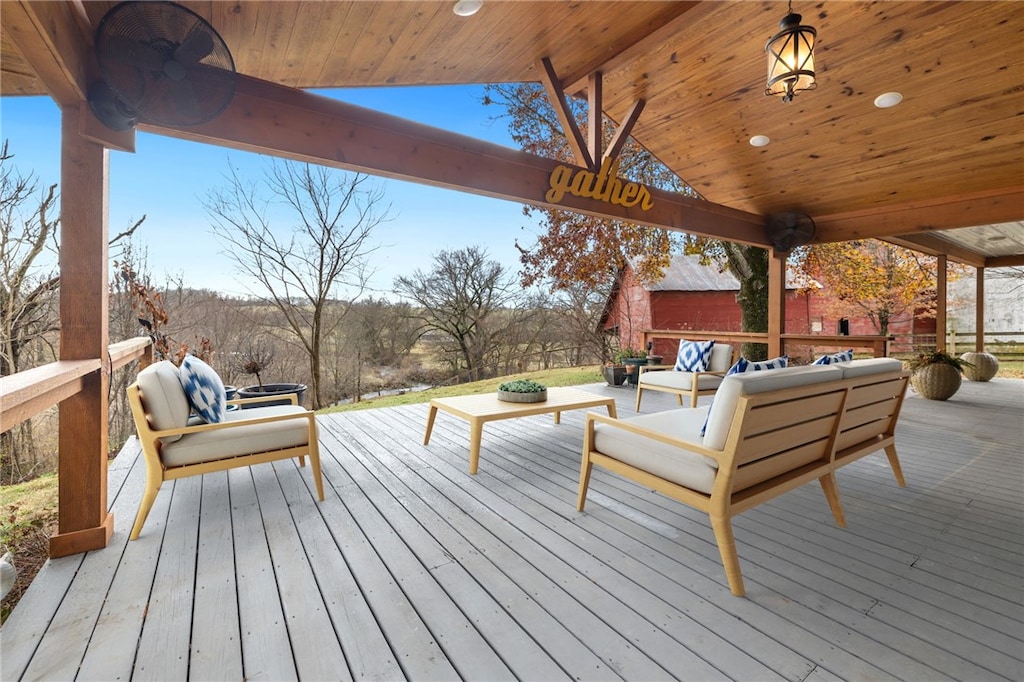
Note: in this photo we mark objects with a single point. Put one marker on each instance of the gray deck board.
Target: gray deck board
(216, 652)
(411, 568)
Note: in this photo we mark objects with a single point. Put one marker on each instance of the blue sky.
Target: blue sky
(166, 179)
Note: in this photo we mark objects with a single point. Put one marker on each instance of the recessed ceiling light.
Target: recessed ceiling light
(888, 99)
(465, 8)
(759, 140)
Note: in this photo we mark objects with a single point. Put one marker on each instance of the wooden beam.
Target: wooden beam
(272, 119)
(1000, 205)
(776, 301)
(1005, 261)
(549, 79)
(595, 117)
(83, 520)
(941, 302)
(94, 130)
(979, 310)
(934, 246)
(624, 129)
(49, 35)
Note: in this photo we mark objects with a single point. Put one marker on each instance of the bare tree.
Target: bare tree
(27, 287)
(28, 297)
(1013, 273)
(461, 298)
(310, 263)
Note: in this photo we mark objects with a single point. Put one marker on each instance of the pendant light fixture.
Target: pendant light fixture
(791, 58)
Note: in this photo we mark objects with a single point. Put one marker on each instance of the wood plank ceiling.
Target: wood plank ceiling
(950, 156)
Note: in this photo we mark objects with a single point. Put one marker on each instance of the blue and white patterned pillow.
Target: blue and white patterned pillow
(743, 365)
(203, 388)
(843, 356)
(694, 356)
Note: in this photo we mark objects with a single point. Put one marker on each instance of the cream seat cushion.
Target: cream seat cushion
(682, 381)
(207, 446)
(721, 358)
(667, 461)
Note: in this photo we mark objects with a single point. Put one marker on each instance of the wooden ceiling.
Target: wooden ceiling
(950, 156)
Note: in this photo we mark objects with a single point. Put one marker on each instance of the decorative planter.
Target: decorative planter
(655, 359)
(614, 374)
(272, 389)
(632, 369)
(513, 397)
(937, 381)
(985, 366)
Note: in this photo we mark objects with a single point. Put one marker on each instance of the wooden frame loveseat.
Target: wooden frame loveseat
(766, 433)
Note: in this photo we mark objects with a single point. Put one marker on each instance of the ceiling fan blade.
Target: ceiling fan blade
(133, 53)
(184, 97)
(197, 44)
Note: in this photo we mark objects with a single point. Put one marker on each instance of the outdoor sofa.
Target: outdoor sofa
(767, 432)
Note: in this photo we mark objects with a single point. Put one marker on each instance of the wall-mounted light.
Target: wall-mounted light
(465, 8)
(791, 58)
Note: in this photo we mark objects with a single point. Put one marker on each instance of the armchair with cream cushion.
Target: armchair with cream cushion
(175, 447)
(671, 380)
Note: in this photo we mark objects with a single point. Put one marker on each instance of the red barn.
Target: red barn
(699, 297)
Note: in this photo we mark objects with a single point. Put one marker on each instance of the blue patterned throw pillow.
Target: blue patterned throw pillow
(844, 356)
(694, 356)
(744, 365)
(203, 388)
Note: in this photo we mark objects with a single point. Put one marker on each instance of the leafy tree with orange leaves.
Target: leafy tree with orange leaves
(875, 279)
(572, 247)
(577, 249)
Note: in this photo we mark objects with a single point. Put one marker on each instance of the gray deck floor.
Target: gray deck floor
(414, 569)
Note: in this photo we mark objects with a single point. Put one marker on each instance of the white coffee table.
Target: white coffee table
(478, 409)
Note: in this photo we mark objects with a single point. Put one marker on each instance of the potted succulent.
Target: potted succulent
(254, 360)
(936, 375)
(522, 391)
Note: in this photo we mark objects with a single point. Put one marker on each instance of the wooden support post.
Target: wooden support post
(979, 311)
(84, 522)
(776, 302)
(940, 302)
(595, 117)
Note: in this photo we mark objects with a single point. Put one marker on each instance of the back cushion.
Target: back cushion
(858, 368)
(163, 396)
(721, 357)
(749, 383)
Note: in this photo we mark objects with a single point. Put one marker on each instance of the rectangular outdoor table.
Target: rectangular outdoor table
(477, 409)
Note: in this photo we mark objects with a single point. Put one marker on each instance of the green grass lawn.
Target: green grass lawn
(564, 376)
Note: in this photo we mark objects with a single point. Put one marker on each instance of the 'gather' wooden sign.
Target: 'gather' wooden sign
(603, 186)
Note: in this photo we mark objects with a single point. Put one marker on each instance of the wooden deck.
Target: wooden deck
(413, 569)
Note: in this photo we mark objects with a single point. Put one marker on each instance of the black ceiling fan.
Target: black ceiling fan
(789, 230)
(162, 62)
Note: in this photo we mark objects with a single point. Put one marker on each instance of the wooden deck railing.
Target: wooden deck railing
(25, 394)
(878, 344)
